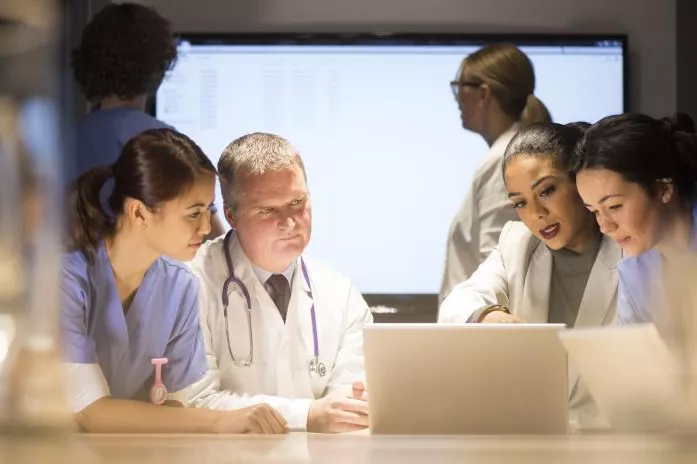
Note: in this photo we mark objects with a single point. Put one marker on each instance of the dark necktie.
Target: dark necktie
(279, 290)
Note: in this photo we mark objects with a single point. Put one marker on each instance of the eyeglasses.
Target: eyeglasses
(456, 85)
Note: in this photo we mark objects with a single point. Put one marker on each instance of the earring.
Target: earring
(143, 225)
(665, 198)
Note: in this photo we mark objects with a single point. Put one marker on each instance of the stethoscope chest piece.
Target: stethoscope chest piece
(318, 368)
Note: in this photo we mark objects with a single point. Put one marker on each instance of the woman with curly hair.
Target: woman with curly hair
(121, 60)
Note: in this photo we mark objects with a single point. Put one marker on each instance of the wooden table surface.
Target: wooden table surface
(350, 448)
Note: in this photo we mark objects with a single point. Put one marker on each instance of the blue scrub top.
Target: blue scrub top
(162, 321)
(102, 134)
(641, 296)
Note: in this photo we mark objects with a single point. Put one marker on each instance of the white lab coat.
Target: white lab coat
(279, 374)
(517, 274)
(476, 227)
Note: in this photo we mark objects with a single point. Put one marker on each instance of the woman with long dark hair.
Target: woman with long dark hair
(129, 315)
(638, 175)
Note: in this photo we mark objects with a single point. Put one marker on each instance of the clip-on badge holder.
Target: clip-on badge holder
(158, 391)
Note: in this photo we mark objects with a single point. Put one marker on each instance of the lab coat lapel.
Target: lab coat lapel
(242, 266)
(267, 326)
(263, 307)
(301, 334)
(537, 281)
(599, 300)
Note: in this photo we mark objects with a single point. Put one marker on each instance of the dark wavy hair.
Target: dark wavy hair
(155, 166)
(643, 150)
(124, 51)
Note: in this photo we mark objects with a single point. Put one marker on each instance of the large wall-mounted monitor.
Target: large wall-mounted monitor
(375, 121)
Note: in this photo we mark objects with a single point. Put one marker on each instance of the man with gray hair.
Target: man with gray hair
(278, 327)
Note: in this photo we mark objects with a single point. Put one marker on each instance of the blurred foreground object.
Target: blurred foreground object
(685, 294)
(31, 378)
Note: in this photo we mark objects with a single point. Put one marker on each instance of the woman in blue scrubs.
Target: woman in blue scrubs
(127, 303)
(638, 175)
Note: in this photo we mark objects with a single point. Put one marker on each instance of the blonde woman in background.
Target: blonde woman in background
(494, 91)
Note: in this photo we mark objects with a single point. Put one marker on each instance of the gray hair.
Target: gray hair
(252, 155)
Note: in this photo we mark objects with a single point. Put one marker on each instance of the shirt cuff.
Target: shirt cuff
(296, 414)
(85, 384)
(477, 316)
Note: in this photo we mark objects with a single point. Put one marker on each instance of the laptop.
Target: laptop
(631, 373)
(466, 379)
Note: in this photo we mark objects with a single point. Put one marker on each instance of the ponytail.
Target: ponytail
(679, 122)
(535, 111)
(510, 75)
(87, 221)
(155, 166)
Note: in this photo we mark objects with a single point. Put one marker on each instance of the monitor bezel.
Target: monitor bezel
(396, 39)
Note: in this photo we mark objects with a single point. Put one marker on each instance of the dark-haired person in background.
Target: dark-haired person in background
(120, 62)
(124, 304)
(553, 267)
(638, 176)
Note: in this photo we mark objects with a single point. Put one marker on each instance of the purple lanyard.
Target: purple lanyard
(312, 309)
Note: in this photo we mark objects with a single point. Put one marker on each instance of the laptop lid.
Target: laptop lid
(631, 373)
(466, 379)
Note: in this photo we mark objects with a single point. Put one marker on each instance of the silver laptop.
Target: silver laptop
(466, 379)
(630, 372)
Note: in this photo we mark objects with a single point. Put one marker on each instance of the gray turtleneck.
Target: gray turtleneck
(570, 272)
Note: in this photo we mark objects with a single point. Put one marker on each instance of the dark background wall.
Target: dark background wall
(686, 57)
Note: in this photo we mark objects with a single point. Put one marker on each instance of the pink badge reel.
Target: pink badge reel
(158, 391)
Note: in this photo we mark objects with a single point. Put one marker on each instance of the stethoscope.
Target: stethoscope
(316, 367)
